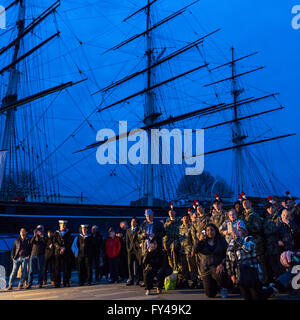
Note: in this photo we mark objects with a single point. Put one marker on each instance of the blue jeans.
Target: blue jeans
(36, 265)
(285, 278)
(23, 262)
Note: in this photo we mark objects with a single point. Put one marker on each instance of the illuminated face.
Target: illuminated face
(200, 210)
(152, 246)
(84, 230)
(123, 225)
(218, 206)
(211, 232)
(246, 204)
(286, 215)
(23, 233)
(186, 220)
(63, 226)
(149, 218)
(172, 214)
(193, 216)
(232, 216)
(289, 204)
(237, 207)
(271, 210)
(133, 223)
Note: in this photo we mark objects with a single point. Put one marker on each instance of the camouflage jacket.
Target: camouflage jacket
(225, 227)
(218, 218)
(172, 232)
(198, 226)
(271, 225)
(185, 238)
(254, 224)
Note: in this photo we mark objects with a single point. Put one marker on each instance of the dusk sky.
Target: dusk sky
(250, 26)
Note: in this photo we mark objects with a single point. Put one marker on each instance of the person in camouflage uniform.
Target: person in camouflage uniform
(271, 228)
(238, 207)
(201, 221)
(171, 239)
(254, 224)
(187, 263)
(227, 226)
(198, 225)
(218, 216)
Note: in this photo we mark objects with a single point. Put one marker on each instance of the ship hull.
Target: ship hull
(15, 215)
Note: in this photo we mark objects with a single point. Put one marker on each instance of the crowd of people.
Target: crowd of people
(235, 250)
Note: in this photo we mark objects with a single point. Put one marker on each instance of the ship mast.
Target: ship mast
(9, 137)
(12, 164)
(152, 116)
(237, 136)
(149, 109)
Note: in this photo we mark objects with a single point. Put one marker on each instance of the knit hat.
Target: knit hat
(148, 212)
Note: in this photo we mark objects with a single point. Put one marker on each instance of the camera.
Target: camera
(295, 260)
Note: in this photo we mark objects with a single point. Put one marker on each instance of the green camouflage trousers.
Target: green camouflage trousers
(187, 267)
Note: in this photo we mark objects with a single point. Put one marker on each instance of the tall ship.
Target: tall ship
(69, 69)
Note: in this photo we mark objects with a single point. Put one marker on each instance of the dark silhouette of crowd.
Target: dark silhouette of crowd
(237, 250)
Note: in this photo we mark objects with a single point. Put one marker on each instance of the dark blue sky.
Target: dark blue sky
(249, 26)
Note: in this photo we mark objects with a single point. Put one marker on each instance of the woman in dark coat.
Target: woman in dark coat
(212, 247)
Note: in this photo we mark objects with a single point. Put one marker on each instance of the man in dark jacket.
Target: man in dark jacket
(98, 252)
(63, 241)
(20, 254)
(49, 258)
(133, 252)
(86, 249)
(37, 258)
(155, 266)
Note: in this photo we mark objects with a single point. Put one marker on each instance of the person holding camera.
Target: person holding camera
(211, 247)
(37, 258)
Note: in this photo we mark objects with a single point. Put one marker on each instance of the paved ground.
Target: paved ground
(105, 291)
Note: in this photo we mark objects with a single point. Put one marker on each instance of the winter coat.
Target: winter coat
(112, 247)
(17, 247)
(211, 256)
